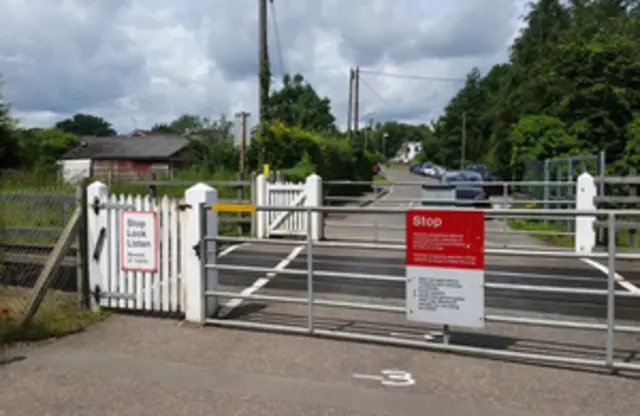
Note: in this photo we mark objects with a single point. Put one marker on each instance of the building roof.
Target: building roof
(128, 148)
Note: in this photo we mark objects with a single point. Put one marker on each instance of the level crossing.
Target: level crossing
(523, 270)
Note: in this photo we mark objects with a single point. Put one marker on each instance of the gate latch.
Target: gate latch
(196, 249)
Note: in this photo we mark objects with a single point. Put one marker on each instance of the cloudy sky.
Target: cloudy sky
(138, 62)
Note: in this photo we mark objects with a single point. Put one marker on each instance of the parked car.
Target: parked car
(415, 168)
(467, 194)
(487, 176)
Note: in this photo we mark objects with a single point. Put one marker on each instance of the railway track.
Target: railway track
(33, 254)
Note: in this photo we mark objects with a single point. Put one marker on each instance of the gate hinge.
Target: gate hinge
(196, 249)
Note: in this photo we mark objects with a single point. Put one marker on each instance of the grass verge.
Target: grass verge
(59, 315)
(550, 232)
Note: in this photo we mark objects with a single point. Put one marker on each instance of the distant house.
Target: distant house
(125, 157)
(408, 151)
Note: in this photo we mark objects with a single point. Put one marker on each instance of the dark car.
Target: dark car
(431, 170)
(487, 176)
(467, 193)
(415, 167)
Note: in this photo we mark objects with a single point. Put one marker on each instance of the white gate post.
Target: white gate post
(585, 236)
(197, 279)
(261, 200)
(313, 189)
(98, 270)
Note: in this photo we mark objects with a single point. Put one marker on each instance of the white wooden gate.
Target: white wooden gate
(159, 289)
(289, 194)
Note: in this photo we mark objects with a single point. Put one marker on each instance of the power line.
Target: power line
(409, 76)
(376, 93)
(276, 32)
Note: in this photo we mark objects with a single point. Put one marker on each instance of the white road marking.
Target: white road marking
(261, 282)
(231, 249)
(630, 287)
(391, 378)
(223, 253)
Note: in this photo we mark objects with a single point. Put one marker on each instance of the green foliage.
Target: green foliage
(86, 125)
(8, 142)
(44, 147)
(539, 137)
(297, 153)
(298, 104)
(632, 150)
(572, 83)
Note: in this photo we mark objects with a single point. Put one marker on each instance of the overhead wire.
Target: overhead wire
(374, 92)
(409, 76)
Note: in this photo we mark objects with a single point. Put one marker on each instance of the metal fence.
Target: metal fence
(542, 304)
(30, 225)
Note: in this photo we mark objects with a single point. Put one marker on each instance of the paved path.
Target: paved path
(131, 366)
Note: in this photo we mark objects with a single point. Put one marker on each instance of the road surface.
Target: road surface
(132, 366)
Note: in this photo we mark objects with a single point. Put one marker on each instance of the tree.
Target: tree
(539, 137)
(572, 69)
(9, 146)
(44, 147)
(212, 141)
(298, 104)
(86, 125)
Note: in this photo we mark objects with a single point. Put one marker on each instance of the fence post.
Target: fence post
(633, 192)
(202, 222)
(97, 193)
(313, 189)
(585, 235)
(261, 200)
(252, 186)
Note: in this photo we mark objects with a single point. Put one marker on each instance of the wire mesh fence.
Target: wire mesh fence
(31, 222)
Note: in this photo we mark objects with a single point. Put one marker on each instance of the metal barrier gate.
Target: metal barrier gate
(310, 310)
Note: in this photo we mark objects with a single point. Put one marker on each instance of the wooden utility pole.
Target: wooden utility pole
(350, 104)
(263, 71)
(356, 100)
(243, 115)
(262, 53)
(463, 145)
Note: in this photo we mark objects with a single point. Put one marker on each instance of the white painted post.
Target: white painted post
(98, 270)
(313, 189)
(261, 200)
(585, 236)
(196, 278)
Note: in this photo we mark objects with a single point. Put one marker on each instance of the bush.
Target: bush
(298, 153)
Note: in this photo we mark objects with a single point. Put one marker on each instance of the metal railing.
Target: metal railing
(515, 194)
(306, 303)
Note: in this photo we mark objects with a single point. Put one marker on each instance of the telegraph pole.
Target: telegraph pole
(264, 74)
(356, 104)
(350, 104)
(262, 54)
(463, 145)
(243, 115)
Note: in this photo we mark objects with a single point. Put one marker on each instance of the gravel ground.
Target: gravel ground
(145, 366)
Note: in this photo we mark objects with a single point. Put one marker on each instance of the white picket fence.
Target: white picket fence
(290, 194)
(178, 231)
(159, 291)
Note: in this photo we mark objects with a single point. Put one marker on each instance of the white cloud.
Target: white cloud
(141, 62)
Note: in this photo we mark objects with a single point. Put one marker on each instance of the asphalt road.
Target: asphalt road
(522, 270)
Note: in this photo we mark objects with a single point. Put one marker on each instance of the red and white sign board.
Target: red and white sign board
(445, 267)
(139, 245)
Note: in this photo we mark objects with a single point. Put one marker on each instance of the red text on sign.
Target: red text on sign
(440, 238)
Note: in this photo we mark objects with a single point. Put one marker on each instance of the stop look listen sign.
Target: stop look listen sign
(445, 267)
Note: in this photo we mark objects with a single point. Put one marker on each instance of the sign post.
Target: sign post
(139, 241)
(445, 267)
